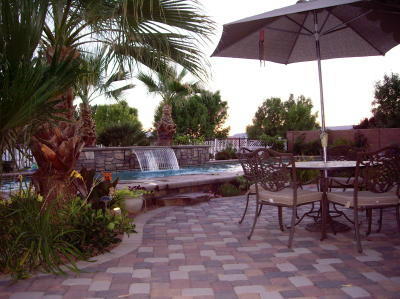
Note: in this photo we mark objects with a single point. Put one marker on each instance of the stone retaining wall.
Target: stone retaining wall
(123, 158)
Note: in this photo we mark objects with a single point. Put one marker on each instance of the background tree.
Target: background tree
(110, 115)
(387, 102)
(386, 106)
(201, 114)
(123, 134)
(97, 81)
(275, 117)
(118, 125)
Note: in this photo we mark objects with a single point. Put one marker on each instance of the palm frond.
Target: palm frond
(116, 93)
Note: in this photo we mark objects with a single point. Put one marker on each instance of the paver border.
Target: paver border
(128, 244)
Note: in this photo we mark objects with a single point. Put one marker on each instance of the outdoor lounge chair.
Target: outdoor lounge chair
(380, 172)
(273, 178)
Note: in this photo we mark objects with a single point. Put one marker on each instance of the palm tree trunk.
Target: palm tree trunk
(88, 129)
(166, 127)
(57, 145)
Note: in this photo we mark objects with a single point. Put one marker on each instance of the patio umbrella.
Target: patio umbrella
(314, 30)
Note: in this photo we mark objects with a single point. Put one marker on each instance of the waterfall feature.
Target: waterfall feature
(152, 159)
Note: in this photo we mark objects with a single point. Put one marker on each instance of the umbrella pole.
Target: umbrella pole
(321, 88)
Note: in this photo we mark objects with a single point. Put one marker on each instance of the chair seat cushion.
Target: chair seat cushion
(285, 196)
(365, 198)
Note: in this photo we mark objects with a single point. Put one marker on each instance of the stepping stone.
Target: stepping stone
(184, 199)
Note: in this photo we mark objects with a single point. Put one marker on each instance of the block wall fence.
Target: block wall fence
(377, 138)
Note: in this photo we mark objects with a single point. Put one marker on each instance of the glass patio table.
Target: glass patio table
(324, 167)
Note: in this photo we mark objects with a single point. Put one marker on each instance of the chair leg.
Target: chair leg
(259, 212)
(398, 217)
(291, 234)
(357, 229)
(245, 209)
(381, 220)
(280, 218)
(255, 221)
(369, 219)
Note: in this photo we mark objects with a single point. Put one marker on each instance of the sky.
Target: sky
(244, 84)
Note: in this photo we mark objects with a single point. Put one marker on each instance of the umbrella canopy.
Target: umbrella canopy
(346, 28)
(314, 30)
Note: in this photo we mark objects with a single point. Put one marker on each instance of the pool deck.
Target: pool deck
(201, 251)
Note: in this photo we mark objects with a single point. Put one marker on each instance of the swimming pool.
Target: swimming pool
(211, 168)
(12, 184)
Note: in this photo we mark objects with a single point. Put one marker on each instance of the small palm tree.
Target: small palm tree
(97, 83)
(168, 84)
(170, 87)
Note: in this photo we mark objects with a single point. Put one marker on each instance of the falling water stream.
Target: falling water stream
(153, 159)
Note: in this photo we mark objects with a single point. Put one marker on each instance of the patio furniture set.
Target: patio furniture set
(374, 178)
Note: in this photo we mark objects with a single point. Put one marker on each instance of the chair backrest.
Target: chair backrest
(380, 170)
(273, 171)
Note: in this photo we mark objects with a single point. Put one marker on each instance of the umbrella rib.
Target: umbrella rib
(286, 31)
(344, 24)
(326, 20)
(298, 24)
(297, 37)
(360, 35)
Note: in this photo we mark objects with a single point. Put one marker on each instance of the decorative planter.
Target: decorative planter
(133, 204)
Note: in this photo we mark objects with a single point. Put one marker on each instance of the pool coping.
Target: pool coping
(180, 181)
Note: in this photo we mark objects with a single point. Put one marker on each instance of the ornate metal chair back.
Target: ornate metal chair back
(272, 170)
(380, 170)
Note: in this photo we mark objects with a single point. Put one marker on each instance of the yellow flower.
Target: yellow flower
(76, 175)
(39, 198)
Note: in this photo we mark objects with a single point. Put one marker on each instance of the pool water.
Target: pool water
(9, 185)
(137, 174)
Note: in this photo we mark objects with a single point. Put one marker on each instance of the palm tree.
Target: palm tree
(29, 87)
(96, 82)
(133, 32)
(168, 84)
(170, 87)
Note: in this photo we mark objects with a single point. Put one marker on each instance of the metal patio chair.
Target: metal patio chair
(380, 172)
(273, 177)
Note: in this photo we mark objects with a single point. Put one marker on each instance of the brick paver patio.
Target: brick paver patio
(201, 251)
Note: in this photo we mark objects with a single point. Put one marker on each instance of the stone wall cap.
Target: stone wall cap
(114, 148)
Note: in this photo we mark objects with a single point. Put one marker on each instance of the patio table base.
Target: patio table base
(338, 227)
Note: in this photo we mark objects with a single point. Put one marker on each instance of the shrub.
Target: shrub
(342, 141)
(188, 140)
(306, 175)
(99, 228)
(243, 183)
(39, 235)
(360, 140)
(226, 154)
(124, 134)
(273, 142)
(303, 148)
(228, 189)
(33, 236)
